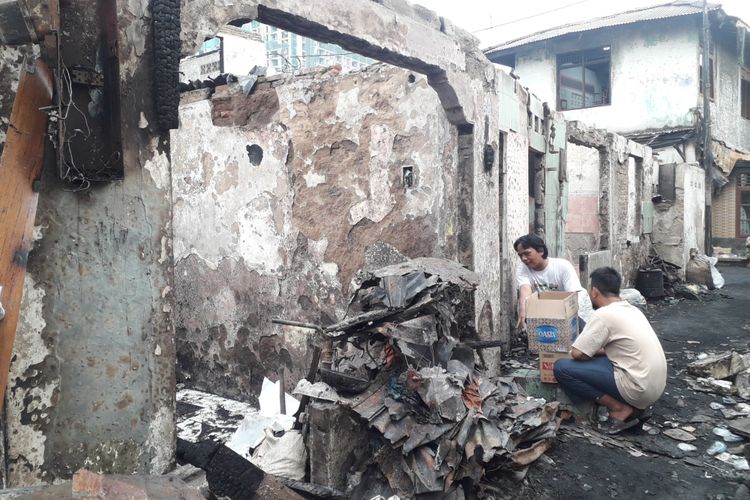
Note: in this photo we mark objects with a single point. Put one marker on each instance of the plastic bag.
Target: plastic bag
(632, 296)
(701, 270)
(718, 279)
(283, 456)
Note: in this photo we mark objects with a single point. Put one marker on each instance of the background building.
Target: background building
(233, 50)
(288, 52)
(638, 73)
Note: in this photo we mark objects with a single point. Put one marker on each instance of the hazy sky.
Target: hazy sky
(478, 15)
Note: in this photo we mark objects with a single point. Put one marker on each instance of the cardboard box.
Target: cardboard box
(552, 321)
(547, 365)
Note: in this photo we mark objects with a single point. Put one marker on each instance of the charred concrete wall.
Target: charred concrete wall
(627, 175)
(92, 378)
(281, 196)
(679, 222)
(416, 39)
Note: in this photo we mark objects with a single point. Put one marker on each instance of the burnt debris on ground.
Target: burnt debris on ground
(404, 368)
(437, 420)
(399, 405)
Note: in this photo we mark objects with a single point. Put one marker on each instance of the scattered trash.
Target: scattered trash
(270, 401)
(651, 284)
(633, 296)
(698, 270)
(284, 456)
(252, 430)
(727, 435)
(739, 463)
(650, 429)
(731, 413)
(679, 435)
(716, 406)
(716, 447)
(318, 390)
(710, 385)
(719, 366)
(718, 279)
(433, 414)
(690, 292)
(687, 447)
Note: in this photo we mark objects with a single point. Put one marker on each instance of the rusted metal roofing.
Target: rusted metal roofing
(664, 11)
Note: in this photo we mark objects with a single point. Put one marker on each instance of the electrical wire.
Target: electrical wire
(72, 173)
(532, 16)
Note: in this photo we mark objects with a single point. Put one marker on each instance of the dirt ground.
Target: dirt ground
(580, 469)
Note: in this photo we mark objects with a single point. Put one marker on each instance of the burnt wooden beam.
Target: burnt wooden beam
(20, 166)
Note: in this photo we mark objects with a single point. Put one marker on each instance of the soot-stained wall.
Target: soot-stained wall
(282, 196)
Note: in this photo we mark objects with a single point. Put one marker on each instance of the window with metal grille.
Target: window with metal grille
(583, 79)
(743, 203)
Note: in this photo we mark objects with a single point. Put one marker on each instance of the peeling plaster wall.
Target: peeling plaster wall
(284, 238)
(728, 125)
(645, 60)
(92, 378)
(627, 175)
(11, 60)
(515, 202)
(679, 224)
(582, 231)
(33, 392)
(414, 38)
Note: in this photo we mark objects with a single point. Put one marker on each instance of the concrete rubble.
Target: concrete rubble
(720, 366)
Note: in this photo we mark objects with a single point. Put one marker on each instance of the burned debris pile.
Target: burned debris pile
(659, 279)
(407, 363)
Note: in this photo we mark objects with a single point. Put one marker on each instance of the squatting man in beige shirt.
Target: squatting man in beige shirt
(618, 361)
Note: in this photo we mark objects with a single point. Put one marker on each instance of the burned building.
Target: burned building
(170, 229)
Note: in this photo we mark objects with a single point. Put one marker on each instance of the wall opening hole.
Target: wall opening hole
(408, 177)
(411, 78)
(489, 157)
(254, 154)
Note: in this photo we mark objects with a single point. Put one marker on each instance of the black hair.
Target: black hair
(607, 280)
(532, 241)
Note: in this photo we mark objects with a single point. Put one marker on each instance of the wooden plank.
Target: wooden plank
(20, 165)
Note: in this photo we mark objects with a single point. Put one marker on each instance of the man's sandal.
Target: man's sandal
(615, 426)
(644, 415)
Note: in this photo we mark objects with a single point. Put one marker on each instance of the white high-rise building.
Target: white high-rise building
(288, 52)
